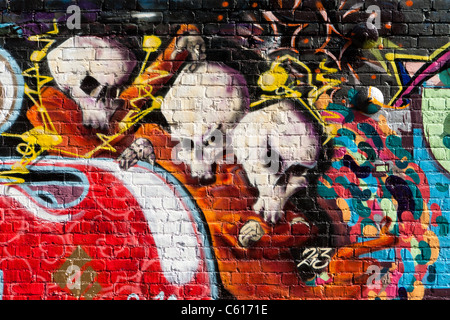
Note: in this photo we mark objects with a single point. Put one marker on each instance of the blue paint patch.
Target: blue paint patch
(345, 141)
(385, 255)
(13, 26)
(404, 76)
(152, 4)
(354, 217)
(435, 174)
(407, 279)
(371, 184)
(444, 76)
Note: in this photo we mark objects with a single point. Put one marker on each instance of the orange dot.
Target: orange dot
(343, 101)
(219, 17)
(225, 4)
(254, 4)
(380, 47)
(388, 26)
(317, 70)
(373, 77)
(409, 3)
(305, 40)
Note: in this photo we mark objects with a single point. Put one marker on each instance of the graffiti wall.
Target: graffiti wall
(239, 149)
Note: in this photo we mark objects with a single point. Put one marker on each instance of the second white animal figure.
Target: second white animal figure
(203, 105)
(276, 146)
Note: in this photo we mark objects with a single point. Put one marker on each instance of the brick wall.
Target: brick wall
(266, 149)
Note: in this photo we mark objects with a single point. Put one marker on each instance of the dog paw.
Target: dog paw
(202, 171)
(250, 233)
(193, 44)
(140, 150)
(202, 175)
(270, 209)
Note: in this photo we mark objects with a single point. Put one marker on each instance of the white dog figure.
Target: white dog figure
(204, 103)
(276, 146)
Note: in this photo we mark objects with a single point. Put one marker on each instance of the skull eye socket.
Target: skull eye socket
(210, 141)
(103, 93)
(88, 84)
(296, 170)
(109, 93)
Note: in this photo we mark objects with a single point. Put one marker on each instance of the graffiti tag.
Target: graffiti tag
(316, 258)
(74, 21)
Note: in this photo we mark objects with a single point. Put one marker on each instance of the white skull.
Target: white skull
(276, 146)
(205, 101)
(91, 70)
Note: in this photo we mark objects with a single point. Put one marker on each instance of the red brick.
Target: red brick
(16, 276)
(122, 264)
(28, 288)
(278, 266)
(240, 278)
(249, 266)
(225, 266)
(6, 226)
(277, 291)
(138, 252)
(23, 251)
(195, 290)
(266, 278)
(289, 279)
(122, 252)
(221, 204)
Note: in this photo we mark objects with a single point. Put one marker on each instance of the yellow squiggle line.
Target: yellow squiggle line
(150, 44)
(44, 137)
(276, 78)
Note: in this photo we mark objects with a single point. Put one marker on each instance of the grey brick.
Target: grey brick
(416, 4)
(420, 29)
(431, 42)
(441, 4)
(442, 29)
(414, 16)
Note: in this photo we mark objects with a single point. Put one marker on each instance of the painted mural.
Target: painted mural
(276, 149)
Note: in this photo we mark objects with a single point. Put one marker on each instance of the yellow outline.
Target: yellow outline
(392, 57)
(43, 136)
(279, 75)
